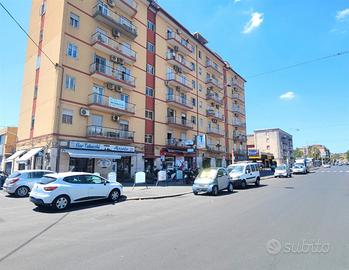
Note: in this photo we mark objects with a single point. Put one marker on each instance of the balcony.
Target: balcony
(214, 83)
(238, 123)
(109, 134)
(238, 97)
(109, 46)
(234, 83)
(239, 136)
(109, 74)
(178, 42)
(215, 132)
(178, 81)
(212, 113)
(128, 6)
(179, 102)
(214, 97)
(213, 67)
(104, 14)
(177, 143)
(238, 109)
(179, 123)
(217, 148)
(110, 104)
(175, 59)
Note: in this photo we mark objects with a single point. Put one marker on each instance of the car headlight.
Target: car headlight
(236, 178)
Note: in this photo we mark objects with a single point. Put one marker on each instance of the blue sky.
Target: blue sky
(254, 36)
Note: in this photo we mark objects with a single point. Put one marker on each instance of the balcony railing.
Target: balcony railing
(112, 73)
(214, 113)
(176, 142)
(109, 133)
(214, 82)
(210, 63)
(238, 96)
(184, 43)
(214, 97)
(239, 123)
(180, 79)
(111, 103)
(215, 131)
(239, 136)
(237, 109)
(215, 148)
(113, 45)
(106, 15)
(179, 100)
(180, 60)
(185, 123)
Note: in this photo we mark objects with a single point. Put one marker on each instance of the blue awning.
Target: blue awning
(91, 154)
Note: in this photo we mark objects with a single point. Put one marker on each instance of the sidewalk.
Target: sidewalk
(141, 192)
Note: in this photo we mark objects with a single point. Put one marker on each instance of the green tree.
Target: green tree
(314, 152)
(298, 153)
(347, 155)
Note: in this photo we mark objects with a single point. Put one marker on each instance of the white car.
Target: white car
(282, 171)
(62, 189)
(244, 173)
(297, 168)
(327, 166)
(20, 183)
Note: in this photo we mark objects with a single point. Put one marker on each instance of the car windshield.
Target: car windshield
(298, 166)
(280, 167)
(208, 174)
(236, 168)
(15, 174)
(47, 179)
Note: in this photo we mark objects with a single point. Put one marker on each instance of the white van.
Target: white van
(244, 173)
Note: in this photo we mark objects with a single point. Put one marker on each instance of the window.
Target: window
(42, 10)
(72, 50)
(192, 66)
(149, 115)
(200, 104)
(149, 91)
(35, 91)
(67, 117)
(41, 35)
(93, 179)
(150, 69)
(150, 47)
(74, 20)
(193, 84)
(200, 87)
(200, 71)
(76, 179)
(38, 62)
(193, 101)
(151, 26)
(193, 120)
(148, 138)
(200, 56)
(32, 122)
(70, 82)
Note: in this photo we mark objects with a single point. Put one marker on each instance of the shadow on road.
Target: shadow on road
(220, 194)
(250, 187)
(79, 206)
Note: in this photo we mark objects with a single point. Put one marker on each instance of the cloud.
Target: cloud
(255, 21)
(342, 14)
(288, 96)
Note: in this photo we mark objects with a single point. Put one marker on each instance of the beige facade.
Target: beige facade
(277, 142)
(8, 138)
(129, 80)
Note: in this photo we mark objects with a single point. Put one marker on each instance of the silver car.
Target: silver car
(212, 180)
(20, 183)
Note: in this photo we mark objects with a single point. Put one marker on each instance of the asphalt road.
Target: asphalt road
(298, 223)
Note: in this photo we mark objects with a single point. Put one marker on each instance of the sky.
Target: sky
(311, 102)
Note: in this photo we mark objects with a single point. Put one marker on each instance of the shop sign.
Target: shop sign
(117, 103)
(188, 142)
(101, 147)
(190, 150)
(104, 163)
(253, 153)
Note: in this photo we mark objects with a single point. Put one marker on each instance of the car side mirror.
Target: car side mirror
(248, 171)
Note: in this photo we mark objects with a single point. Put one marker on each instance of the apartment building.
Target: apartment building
(128, 89)
(8, 137)
(276, 142)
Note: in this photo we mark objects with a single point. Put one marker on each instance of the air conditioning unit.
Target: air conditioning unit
(120, 61)
(111, 86)
(115, 33)
(114, 58)
(84, 112)
(111, 3)
(115, 118)
(118, 88)
(176, 48)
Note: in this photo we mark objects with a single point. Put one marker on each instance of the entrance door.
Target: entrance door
(124, 169)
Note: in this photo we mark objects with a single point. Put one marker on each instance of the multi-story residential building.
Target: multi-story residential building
(277, 142)
(129, 88)
(8, 138)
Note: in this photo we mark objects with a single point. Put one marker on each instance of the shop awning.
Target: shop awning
(15, 155)
(29, 154)
(91, 154)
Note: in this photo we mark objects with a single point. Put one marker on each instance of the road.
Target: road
(275, 226)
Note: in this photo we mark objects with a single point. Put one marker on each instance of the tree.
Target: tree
(298, 153)
(347, 155)
(314, 152)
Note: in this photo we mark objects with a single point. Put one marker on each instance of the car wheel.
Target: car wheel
(230, 188)
(257, 183)
(215, 191)
(61, 202)
(243, 184)
(22, 191)
(114, 195)
(195, 193)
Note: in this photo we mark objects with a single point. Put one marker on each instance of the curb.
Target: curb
(157, 197)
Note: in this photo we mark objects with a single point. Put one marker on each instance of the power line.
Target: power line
(300, 64)
(20, 26)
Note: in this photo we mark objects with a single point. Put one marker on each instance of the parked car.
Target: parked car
(3, 176)
(20, 183)
(327, 166)
(59, 190)
(212, 180)
(283, 171)
(299, 169)
(244, 173)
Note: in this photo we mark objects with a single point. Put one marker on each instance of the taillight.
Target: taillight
(14, 180)
(50, 188)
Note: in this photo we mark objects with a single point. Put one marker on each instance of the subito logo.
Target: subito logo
(273, 247)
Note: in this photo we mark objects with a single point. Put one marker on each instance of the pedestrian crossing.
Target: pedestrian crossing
(334, 171)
